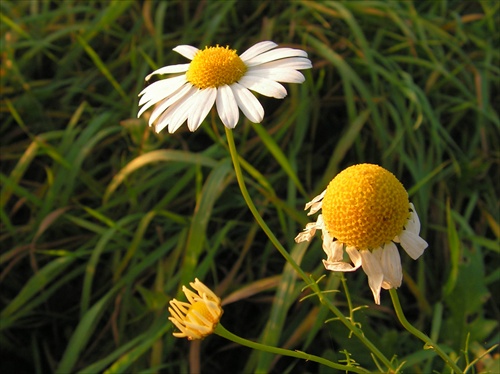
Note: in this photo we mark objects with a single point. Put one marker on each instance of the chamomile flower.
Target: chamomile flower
(365, 211)
(218, 75)
(197, 318)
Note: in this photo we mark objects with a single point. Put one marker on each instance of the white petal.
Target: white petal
(297, 63)
(413, 244)
(227, 108)
(203, 101)
(373, 270)
(339, 266)
(413, 223)
(166, 118)
(308, 233)
(354, 256)
(182, 111)
(257, 49)
(391, 265)
(161, 88)
(275, 54)
(187, 51)
(315, 204)
(279, 75)
(181, 68)
(264, 86)
(160, 92)
(334, 251)
(165, 104)
(247, 102)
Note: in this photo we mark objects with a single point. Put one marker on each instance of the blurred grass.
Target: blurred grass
(103, 220)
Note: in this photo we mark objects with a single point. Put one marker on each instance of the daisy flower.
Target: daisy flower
(197, 318)
(219, 75)
(365, 211)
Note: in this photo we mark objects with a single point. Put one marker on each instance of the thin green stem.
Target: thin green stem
(221, 331)
(314, 286)
(419, 334)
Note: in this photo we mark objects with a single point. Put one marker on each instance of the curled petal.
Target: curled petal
(308, 233)
(315, 204)
(413, 223)
(334, 250)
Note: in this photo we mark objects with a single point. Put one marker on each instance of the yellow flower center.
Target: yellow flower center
(201, 308)
(215, 67)
(365, 206)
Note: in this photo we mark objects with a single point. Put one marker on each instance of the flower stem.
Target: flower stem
(428, 341)
(314, 286)
(221, 331)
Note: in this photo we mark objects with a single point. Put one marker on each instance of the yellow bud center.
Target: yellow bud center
(201, 308)
(215, 67)
(365, 206)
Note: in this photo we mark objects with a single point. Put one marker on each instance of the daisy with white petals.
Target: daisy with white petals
(365, 211)
(219, 75)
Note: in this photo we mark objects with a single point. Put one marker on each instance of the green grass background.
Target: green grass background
(103, 220)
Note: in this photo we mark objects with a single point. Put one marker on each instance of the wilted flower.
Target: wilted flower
(197, 318)
(219, 75)
(365, 210)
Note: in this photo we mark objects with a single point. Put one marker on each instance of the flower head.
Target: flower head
(197, 318)
(219, 75)
(365, 210)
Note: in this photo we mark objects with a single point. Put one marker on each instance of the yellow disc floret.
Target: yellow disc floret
(365, 206)
(201, 308)
(215, 67)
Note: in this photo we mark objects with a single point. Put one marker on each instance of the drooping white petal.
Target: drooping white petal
(413, 223)
(354, 256)
(248, 104)
(264, 86)
(341, 265)
(257, 49)
(275, 54)
(344, 267)
(334, 250)
(391, 266)
(373, 270)
(316, 203)
(227, 108)
(170, 69)
(203, 101)
(187, 51)
(164, 105)
(279, 75)
(413, 244)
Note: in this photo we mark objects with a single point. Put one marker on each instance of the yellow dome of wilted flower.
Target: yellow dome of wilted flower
(199, 317)
(365, 206)
(218, 75)
(365, 210)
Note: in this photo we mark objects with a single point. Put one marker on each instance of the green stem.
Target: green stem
(221, 331)
(314, 286)
(428, 341)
